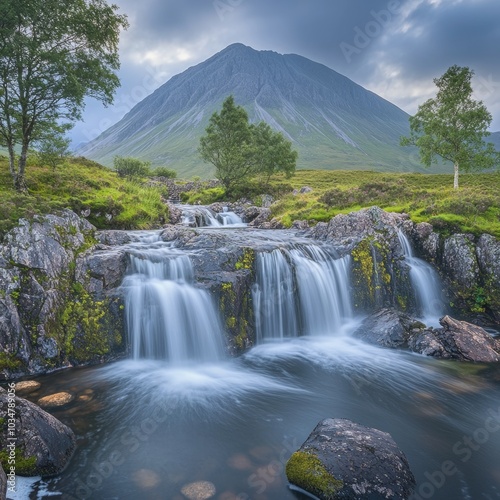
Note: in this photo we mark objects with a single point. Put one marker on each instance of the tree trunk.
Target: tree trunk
(19, 179)
(455, 180)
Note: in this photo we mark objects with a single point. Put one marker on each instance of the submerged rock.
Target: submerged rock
(457, 340)
(43, 445)
(344, 460)
(201, 490)
(55, 400)
(27, 387)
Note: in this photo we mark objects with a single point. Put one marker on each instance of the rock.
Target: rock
(272, 224)
(174, 214)
(146, 479)
(388, 328)
(457, 340)
(344, 460)
(267, 200)
(3, 483)
(488, 257)
(459, 261)
(113, 237)
(27, 386)
(264, 216)
(301, 225)
(305, 190)
(44, 444)
(55, 400)
(201, 490)
(427, 241)
(251, 213)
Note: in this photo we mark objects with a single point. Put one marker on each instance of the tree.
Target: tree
(239, 150)
(272, 152)
(453, 126)
(228, 144)
(53, 54)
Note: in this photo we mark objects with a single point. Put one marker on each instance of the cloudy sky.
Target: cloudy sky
(392, 47)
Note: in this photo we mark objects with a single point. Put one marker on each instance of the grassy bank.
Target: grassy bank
(81, 185)
(474, 208)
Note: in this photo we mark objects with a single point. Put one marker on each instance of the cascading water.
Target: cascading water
(167, 318)
(426, 283)
(301, 290)
(200, 216)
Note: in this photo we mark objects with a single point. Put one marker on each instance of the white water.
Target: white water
(300, 291)
(167, 318)
(201, 216)
(426, 283)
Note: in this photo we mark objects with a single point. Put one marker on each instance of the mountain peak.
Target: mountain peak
(333, 122)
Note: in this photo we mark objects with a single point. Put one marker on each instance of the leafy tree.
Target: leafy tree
(228, 144)
(169, 173)
(240, 151)
(131, 168)
(453, 126)
(272, 152)
(53, 54)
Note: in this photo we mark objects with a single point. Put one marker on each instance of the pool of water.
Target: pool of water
(146, 430)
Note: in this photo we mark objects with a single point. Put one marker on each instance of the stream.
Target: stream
(179, 417)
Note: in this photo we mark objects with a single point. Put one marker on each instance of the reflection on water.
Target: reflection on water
(147, 430)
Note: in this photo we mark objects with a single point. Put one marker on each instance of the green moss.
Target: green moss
(9, 361)
(363, 271)
(306, 471)
(247, 260)
(25, 466)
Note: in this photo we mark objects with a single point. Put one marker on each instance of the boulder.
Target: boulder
(460, 262)
(344, 460)
(457, 340)
(388, 328)
(43, 445)
(112, 237)
(488, 257)
(263, 216)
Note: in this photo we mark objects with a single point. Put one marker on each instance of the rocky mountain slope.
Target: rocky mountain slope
(333, 122)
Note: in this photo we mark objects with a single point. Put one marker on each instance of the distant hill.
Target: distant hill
(333, 122)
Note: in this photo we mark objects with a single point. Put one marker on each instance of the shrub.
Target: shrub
(131, 167)
(164, 172)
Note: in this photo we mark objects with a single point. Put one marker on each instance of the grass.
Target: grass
(474, 208)
(82, 186)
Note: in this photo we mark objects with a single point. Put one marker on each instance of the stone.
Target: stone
(267, 200)
(388, 328)
(44, 444)
(146, 479)
(305, 190)
(301, 225)
(3, 483)
(56, 400)
(27, 387)
(112, 237)
(460, 262)
(344, 460)
(263, 217)
(201, 490)
(457, 340)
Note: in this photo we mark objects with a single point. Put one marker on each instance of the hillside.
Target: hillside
(333, 122)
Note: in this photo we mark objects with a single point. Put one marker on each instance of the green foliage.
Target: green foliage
(53, 54)
(240, 151)
(204, 196)
(52, 147)
(164, 172)
(453, 125)
(304, 469)
(131, 168)
(83, 186)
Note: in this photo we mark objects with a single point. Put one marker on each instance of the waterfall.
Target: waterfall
(167, 318)
(426, 284)
(301, 290)
(200, 216)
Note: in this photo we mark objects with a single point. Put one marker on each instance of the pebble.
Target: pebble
(201, 490)
(55, 400)
(27, 386)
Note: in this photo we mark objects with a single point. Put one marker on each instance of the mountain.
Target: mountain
(333, 122)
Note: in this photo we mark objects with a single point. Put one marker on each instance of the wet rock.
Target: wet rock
(344, 460)
(55, 400)
(457, 340)
(388, 328)
(301, 225)
(427, 241)
(27, 387)
(174, 214)
(459, 261)
(3, 483)
(272, 224)
(488, 257)
(44, 444)
(201, 490)
(146, 479)
(263, 217)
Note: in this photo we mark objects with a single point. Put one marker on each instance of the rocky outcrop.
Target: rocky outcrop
(457, 340)
(344, 460)
(43, 445)
(53, 307)
(389, 328)
(3, 483)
